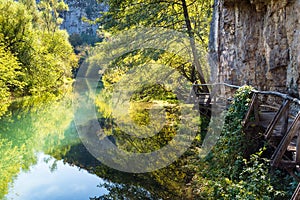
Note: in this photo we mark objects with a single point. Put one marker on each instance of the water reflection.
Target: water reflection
(31, 127)
(52, 179)
(49, 128)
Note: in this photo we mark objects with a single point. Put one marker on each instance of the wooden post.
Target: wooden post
(250, 109)
(275, 120)
(256, 111)
(286, 140)
(285, 121)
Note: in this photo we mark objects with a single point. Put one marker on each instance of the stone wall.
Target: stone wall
(257, 42)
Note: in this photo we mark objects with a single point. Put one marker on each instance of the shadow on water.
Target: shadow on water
(48, 130)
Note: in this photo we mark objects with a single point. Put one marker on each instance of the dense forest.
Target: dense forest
(39, 64)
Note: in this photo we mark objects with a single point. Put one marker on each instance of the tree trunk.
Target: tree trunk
(193, 46)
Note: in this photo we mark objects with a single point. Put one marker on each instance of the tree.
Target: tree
(9, 73)
(31, 7)
(33, 61)
(190, 17)
(16, 30)
(50, 10)
(51, 64)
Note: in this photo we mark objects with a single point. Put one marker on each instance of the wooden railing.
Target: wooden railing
(281, 126)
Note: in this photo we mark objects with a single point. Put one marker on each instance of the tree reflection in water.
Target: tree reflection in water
(49, 129)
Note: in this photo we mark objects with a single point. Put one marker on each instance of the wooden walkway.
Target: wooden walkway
(277, 117)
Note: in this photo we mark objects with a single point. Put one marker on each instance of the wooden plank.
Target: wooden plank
(275, 120)
(250, 109)
(256, 111)
(278, 154)
(293, 145)
(287, 164)
(285, 121)
(265, 118)
(272, 107)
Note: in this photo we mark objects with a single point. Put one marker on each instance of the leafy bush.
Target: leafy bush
(9, 73)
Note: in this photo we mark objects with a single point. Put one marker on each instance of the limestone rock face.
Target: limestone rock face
(78, 9)
(257, 42)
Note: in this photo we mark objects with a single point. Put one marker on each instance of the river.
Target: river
(42, 157)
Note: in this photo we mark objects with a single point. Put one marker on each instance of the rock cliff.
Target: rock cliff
(257, 42)
(79, 9)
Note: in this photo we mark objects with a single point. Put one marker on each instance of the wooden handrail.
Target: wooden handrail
(296, 193)
(279, 94)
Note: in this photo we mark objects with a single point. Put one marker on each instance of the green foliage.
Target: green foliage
(232, 144)
(124, 15)
(228, 173)
(140, 105)
(189, 17)
(49, 11)
(9, 74)
(52, 64)
(148, 93)
(16, 32)
(33, 60)
(253, 181)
